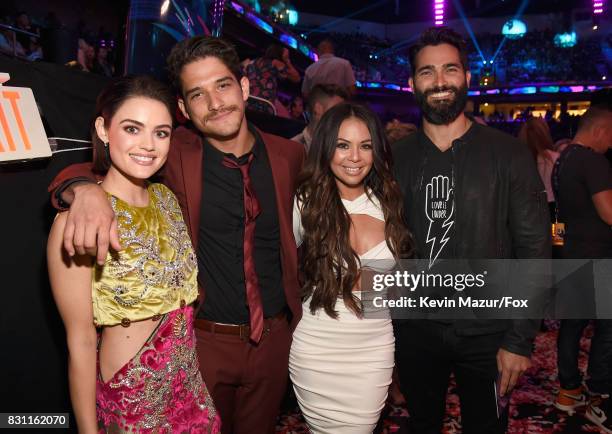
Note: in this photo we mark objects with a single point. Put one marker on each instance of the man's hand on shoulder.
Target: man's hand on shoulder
(91, 225)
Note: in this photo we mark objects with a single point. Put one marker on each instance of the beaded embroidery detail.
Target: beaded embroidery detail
(146, 265)
(161, 389)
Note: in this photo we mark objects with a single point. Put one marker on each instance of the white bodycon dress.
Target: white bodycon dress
(341, 368)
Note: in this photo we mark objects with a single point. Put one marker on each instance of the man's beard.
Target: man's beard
(443, 112)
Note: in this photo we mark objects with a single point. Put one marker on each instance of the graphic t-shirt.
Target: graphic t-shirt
(438, 205)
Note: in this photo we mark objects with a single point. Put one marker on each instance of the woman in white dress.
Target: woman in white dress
(347, 214)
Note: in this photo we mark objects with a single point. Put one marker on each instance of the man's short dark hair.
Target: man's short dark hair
(320, 92)
(201, 47)
(326, 41)
(593, 115)
(436, 36)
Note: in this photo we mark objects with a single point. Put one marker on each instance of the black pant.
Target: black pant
(426, 353)
(578, 293)
(600, 358)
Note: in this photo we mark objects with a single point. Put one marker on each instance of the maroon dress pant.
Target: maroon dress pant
(246, 381)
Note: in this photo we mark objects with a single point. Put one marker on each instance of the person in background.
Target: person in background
(101, 65)
(561, 144)
(603, 98)
(85, 55)
(30, 44)
(582, 180)
(396, 130)
(322, 98)
(264, 72)
(329, 69)
(147, 376)
(9, 45)
(536, 134)
(296, 109)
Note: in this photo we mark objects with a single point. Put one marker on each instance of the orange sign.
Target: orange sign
(22, 135)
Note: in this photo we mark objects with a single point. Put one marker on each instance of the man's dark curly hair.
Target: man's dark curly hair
(436, 36)
(201, 47)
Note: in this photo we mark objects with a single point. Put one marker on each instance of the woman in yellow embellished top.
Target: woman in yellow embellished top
(140, 373)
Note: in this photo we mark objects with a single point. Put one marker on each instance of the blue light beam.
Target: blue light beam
(517, 16)
(468, 27)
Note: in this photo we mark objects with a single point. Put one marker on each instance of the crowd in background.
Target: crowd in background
(535, 58)
(88, 50)
(532, 58)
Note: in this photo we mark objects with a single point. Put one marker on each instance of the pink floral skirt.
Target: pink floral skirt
(160, 390)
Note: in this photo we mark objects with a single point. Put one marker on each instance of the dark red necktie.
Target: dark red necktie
(251, 211)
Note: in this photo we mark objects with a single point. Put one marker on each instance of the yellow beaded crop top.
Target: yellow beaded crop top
(156, 272)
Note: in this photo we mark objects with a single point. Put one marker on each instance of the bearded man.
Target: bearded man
(470, 192)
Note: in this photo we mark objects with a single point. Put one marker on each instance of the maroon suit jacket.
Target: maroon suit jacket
(182, 173)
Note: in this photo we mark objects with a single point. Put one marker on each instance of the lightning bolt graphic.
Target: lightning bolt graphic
(448, 224)
(431, 240)
(437, 247)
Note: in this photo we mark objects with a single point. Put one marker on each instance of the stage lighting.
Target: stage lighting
(164, 7)
(526, 90)
(438, 12)
(393, 86)
(289, 40)
(487, 80)
(254, 4)
(238, 8)
(514, 29)
(598, 10)
(549, 89)
(260, 23)
(293, 17)
(565, 40)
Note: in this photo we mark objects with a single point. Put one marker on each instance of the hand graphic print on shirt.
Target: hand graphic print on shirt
(439, 209)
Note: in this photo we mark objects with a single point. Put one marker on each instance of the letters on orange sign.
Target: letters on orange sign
(13, 96)
(5, 127)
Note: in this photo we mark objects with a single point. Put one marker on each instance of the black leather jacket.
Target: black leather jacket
(501, 210)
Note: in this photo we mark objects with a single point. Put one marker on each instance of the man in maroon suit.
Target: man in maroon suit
(235, 185)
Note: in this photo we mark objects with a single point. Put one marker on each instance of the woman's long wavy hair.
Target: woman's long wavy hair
(330, 265)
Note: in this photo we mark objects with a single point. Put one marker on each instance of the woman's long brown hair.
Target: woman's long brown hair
(330, 266)
(536, 133)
